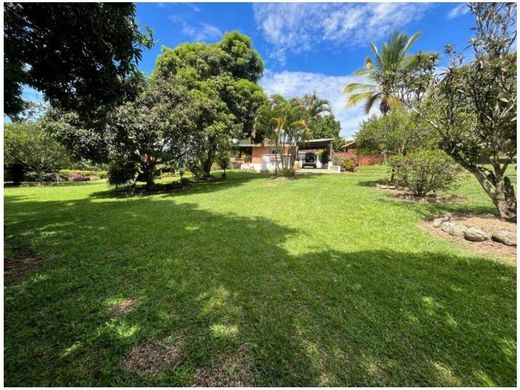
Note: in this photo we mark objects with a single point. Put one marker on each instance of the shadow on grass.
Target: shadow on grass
(239, 309)
(234, 179)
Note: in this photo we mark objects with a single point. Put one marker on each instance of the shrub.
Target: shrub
(78, 177)
(72, 174)
(44, 177)
(349, 165)
(287, 172)
(424, 171)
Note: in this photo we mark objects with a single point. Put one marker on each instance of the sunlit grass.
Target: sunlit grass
(319, 280)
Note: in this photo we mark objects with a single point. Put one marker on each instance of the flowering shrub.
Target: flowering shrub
(75, 174)
(78, 177)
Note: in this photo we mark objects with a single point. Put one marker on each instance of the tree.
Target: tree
(154, 129)
(397, 133)
(26, 143)
(282, 121)
(472, 105)
(85, 139)
(314, 106)
(224, 77)
(224, 161)
(382, 71)
(79, 55)
(326, 126)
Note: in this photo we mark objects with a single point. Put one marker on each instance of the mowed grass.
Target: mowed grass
(321, 280)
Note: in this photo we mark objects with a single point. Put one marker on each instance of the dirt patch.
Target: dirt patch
(18, 262)
(233, 370)
(487, 222)
(153, 357)
(123, 307)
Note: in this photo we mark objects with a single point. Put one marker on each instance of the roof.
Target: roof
(349, 144)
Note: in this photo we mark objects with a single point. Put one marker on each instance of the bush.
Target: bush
(78, 177)
(74, 174)
(45, 177)
(349, 165)
(424, 171)
(287, 172)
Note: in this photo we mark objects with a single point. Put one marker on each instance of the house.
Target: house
(351, 151)
(264, 157)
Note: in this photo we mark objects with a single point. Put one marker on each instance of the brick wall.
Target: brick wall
(358, 158)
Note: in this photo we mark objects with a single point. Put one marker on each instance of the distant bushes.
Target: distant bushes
(81, 175)
(424, 171)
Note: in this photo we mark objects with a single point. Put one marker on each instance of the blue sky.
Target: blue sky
(307, 46)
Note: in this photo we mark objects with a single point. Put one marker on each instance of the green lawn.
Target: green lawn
(322, 280)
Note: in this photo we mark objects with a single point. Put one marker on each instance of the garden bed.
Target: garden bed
(485, 222)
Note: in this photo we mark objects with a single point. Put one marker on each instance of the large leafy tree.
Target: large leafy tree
(382, 71)
(78, 54)
(155, 128)
(223, 76)
(473, 105)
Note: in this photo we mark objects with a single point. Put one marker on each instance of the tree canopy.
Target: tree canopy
(79, 55)
(223, 77)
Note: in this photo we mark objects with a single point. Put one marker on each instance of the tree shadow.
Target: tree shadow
(240, 308)
(233, 179)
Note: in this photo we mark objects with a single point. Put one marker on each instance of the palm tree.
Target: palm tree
(383, 72)
(281, 121)
(314, 106)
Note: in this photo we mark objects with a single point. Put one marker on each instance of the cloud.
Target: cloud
(191, 6)
(291, 84)
(300, 27)
(198, 32)
(459, 10)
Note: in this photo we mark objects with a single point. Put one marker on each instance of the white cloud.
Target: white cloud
(459, 10)
(198, 32)
(292, 84)
(298, 27)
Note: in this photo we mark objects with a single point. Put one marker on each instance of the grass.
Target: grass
(321, 280)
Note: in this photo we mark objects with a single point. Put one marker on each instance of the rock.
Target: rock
(505, 237)
(474, 234)
(437, 222)
(458, 230)
(446, 226)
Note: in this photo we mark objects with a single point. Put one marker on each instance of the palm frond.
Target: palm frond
(370, 102)
(357, 98)
(349, 88)
(411, 40)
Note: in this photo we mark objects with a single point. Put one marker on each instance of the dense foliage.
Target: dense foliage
(424, 171)
(28, 145)
(153, 129)
(473, 105)
(223, 79)
(79, 55)
(396, 133)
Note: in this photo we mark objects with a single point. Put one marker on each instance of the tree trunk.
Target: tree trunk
(206, 165)
(500, 190)
(505, 199)
(148, 177)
